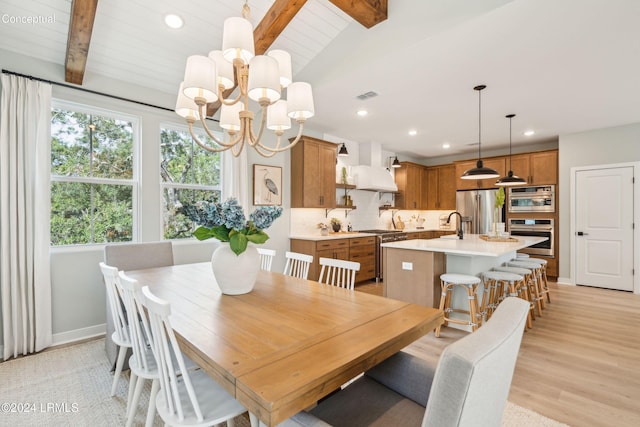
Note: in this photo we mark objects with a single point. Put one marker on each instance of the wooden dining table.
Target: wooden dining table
(289, 342)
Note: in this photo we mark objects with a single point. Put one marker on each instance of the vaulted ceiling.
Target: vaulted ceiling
(561, 66)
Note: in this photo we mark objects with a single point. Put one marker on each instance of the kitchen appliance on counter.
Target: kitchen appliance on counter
(534, 227)
(532, 199)
(477, 210)
(384, 236)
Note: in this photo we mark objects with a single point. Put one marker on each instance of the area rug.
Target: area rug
(70, 386)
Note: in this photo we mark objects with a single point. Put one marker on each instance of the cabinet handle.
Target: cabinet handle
(322, 200)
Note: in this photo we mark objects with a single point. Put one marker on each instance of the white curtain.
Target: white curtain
(25, 162)
(235, 181)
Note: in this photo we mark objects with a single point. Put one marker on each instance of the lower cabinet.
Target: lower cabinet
(359, 249)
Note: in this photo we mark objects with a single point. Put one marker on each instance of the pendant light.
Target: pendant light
(480, 172)
(396, 163)
(343, 151)
(510, 179)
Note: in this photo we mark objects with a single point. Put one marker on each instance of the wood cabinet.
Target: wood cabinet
(409, 181)
(496, 163)
(538, 168)
(313, 174)
(441, 187)
(359, 249)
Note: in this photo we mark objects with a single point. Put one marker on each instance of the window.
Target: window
(93, 175)
(188, 174)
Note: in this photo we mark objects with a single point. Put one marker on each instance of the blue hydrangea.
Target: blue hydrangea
(264, 216)
(233, 215)
(207, 214)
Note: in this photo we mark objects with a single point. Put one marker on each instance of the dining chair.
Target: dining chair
(133, 256)
(120, 337)
(266, 258)
(142, 363)
(191, 397)
(297, 264)
(338, 272)
(462, 390)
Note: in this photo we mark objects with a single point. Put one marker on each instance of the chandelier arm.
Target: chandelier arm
(208, 131)
(253, 139)
(279, 149)
(263, 152)
(205, 146)
(231, 102)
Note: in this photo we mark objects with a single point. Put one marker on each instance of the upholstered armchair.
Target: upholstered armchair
(468, 387)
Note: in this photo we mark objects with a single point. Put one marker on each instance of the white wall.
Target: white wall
(78, 298)
(619, 144)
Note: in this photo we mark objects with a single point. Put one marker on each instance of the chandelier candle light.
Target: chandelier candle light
(261, 78)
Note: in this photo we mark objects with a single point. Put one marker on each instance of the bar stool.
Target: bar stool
(504, 283)
(448, 282)
(545, 282)
(535, 280)
(521, 288)
(520, 255)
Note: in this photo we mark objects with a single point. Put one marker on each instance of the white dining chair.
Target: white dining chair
(338, 272)
(120, 336)
(266, 258)
(297, 264)
(192, 397)
(142, 363)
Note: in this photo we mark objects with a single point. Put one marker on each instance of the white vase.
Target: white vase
(235, 274)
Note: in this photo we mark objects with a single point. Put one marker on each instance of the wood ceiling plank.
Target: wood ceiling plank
(366, 12)
(83, 13)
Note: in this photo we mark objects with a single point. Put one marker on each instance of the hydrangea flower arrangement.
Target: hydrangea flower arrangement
(226, 222)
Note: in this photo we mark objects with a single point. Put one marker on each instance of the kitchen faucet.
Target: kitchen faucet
(459, 230)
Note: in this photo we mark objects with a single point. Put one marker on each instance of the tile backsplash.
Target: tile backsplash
(366, 215)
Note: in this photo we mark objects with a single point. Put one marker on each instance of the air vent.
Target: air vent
(367, 95)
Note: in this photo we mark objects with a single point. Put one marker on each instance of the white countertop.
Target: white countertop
(471, 245)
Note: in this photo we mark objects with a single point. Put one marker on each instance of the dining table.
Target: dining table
(289, 342)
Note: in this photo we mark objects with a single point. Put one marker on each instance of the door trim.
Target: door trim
(636, 218)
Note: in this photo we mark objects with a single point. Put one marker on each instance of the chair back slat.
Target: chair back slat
(338, 272)
(110, 275)
(297, 264)
(166, 346)
(266, 258)
(141, 337)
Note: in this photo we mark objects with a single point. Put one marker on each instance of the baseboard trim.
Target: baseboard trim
(565, 281)
(79, 334)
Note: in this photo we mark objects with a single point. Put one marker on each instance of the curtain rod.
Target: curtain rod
(120, 98)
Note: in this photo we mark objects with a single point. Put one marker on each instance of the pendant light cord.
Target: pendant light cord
(479, 122)
(510, 143)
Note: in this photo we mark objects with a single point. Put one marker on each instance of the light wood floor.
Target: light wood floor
(580, 364)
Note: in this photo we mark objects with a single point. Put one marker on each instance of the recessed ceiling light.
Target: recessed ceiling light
(413, 132)
(529, 133)
(446, 145)
(173, 21)
(362, 113)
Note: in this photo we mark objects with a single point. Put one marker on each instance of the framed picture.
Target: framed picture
(267, 185)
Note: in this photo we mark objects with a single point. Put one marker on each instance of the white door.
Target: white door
(604, 228)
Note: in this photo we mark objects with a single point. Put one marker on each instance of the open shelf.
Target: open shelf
(347, 209)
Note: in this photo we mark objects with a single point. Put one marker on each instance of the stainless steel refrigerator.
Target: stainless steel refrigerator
(477, 210)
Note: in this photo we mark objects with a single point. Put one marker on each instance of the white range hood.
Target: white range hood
(373, 178)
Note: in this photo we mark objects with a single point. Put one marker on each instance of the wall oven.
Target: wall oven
(532, 199)
(538, 228)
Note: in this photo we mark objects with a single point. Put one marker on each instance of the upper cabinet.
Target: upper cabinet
(497, 163)
(536, 168)
(409, 181)
(441, 187)
(313, 174)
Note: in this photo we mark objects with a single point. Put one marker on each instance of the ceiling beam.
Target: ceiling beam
(266, 32)
(83, 13)
(366, 12)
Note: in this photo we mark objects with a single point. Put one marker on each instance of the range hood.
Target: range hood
(373, 178)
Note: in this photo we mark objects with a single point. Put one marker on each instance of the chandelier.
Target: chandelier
(261, 78)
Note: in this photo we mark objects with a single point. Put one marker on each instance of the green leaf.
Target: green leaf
(221, 233)
(259, 237)
(203, 233)
(238, 243)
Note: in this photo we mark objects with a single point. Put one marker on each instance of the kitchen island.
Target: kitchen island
(413, 267)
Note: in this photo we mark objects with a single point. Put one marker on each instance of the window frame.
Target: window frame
(179, 127)
(134, 182)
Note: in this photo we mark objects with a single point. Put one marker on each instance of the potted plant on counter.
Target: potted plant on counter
(498, 225)
(336, 224)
